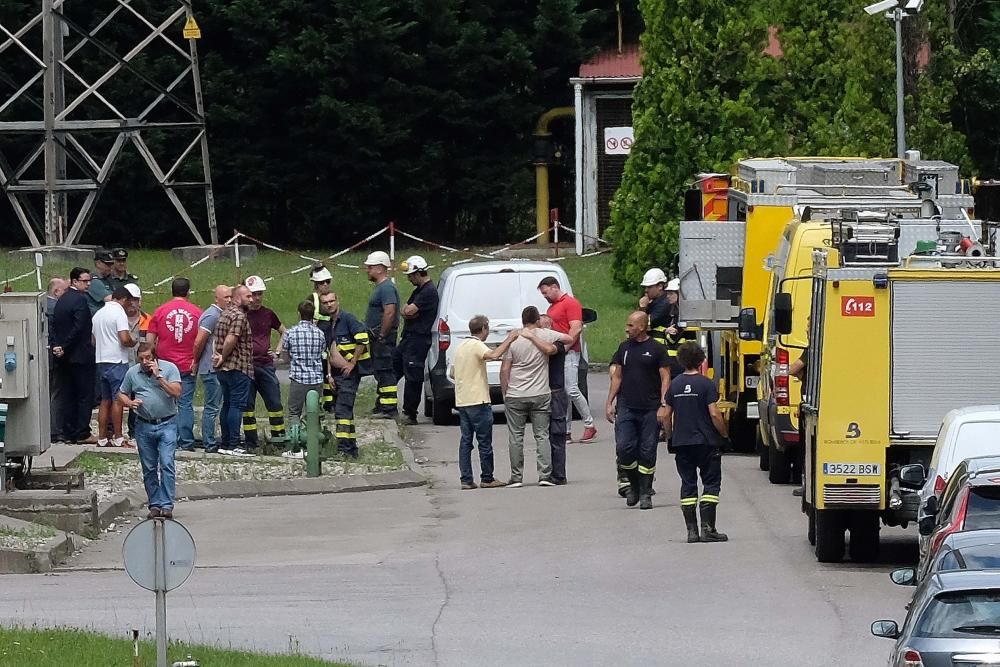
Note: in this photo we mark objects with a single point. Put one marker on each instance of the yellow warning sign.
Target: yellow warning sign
(191, 29)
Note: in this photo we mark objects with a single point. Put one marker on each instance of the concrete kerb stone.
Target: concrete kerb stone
(40, 559)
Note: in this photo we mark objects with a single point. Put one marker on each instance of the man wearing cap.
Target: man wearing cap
(418, 320)
(204, 344)
(100, 287)
(265, 379)
(321, 280)
(112, 342)
(382, 320)
(120, 276)
(172, 331)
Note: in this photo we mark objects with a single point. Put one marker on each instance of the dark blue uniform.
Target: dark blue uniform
(346, 333)
(409, 357)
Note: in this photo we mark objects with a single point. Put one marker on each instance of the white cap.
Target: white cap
(674, 285)
(414, 264)
(378, 257)
(321, 275)
(134, 290)
(653, 277)
(255, 284)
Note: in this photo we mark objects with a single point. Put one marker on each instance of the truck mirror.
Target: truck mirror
(589, 315)
(749, 330)
(783, 313)
(912, 475)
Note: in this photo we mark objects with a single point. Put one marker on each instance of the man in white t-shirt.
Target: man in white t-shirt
(472, 399)
(112, 341)
(524, 380)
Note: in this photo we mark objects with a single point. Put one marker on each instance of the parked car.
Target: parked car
(965, 550)
(954, 620)
(498, 290)
(970, 501)
(965, 433)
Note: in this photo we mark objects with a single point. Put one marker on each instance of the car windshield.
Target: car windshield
(975, 439)
(979, 557)
(961, 614)
(983, 511)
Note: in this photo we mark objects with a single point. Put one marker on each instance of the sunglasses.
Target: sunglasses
(323, 282)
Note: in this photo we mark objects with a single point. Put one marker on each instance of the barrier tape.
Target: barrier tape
(442, 247)
(210, 255)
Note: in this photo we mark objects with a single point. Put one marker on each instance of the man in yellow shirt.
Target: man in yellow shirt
(472, 399)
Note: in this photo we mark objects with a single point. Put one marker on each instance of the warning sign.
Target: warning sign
(191, 29)
(618, 140)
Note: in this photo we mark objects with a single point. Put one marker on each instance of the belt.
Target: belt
(154, 422)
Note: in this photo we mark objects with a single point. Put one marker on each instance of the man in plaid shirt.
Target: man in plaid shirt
(232, 359)
(304, 345)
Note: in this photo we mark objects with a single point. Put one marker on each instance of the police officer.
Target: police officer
(697, 426)
(639, 379)
(382, 320)
(348, 353)
(321, 280)
(418, 320)
(120, 276)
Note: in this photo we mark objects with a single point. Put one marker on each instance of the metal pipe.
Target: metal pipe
(578, 158)
(313, 468)
(542, 170)
(900, 122)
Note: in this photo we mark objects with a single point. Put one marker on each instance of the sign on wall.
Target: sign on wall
(618, 140)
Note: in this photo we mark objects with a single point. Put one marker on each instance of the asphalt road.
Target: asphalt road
(530, 576)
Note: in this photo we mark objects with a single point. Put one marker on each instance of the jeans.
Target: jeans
(185, 412)
(213, 404)
(157, 443)
(572, 369)
(476, 420)
(519, 410)
(235, 393)
(265, 382)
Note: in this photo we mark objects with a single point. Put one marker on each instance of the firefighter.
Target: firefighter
(696, 425)
(661, 303)
(382, 320)
(419, 314)
(639, 380)
(321, 280)
(347, 354)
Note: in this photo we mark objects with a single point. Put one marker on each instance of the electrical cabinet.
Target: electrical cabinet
(24, 372)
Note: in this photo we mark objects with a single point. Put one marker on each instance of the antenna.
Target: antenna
(75, 131)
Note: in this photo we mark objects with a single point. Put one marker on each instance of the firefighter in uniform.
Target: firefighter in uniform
(382, 320)
(639, 380)
(409, 356)
(348, 353)
(696, 425)
(321, 280)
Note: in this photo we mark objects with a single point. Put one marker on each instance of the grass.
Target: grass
(35, 532)
(60, 647)
(95, 464)
(590, 276)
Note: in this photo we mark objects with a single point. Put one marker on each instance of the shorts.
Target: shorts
(110, 377)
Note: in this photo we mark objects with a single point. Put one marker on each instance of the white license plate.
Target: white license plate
(752, 381)
(853, 469)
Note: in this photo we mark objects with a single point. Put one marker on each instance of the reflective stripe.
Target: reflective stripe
(630, 466)
(710, 499)
(647, 471)
(387, 389)
(316, 312)
(623, 485)
(671, 352)
(688, 501)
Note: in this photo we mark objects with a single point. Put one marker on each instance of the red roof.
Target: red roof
(609, 64)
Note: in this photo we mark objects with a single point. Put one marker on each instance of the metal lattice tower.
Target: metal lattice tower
(60, 148)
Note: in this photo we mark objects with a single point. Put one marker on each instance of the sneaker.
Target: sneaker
(569, 439)
(492, 484)
(468, 486)
(167, 514)
(514, 484)
(293, 455)
(103, 442)
(212, 450)
(154, 512)
(560, 482)
(589, 433)
(122, 442)
(545, 481)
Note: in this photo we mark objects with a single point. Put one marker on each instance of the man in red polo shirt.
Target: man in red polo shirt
(567, 317)
(173, 330)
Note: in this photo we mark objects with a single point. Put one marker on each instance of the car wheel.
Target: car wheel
(428, 407)
(811, 530)
(764, 461)
(830, 527)
(779, 466)
(864, 546)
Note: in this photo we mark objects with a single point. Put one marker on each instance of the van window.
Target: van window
(974, 439)
(496, 295)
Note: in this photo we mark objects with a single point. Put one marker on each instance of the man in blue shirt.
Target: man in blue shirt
(156, 386)
(419, 314)
(204, 344)
(382, 320)
(303, 345)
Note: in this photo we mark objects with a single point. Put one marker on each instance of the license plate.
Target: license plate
(853, 469)
(753, 381)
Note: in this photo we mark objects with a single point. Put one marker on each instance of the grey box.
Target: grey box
(942, 175)
(25, 389)
(705, 247)
(853, 173)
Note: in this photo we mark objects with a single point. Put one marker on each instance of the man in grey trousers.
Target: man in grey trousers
(524, 380)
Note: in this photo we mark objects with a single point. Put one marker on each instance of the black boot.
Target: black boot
(645, 484)
(691, 520)
(632, 492)
(708, 531)
(622, 482)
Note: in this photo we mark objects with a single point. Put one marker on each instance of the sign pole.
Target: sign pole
(160, 568)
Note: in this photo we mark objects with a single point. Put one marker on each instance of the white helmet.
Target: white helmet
(378, 257)
(321, 274)
(653, 277)
(414, 264)
(255, 284)
(674, 285)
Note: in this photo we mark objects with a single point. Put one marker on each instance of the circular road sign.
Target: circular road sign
(139, 553)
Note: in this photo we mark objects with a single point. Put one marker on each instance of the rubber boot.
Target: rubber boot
(622, 482)
(691, 520)
(708, 531)
(645, 484)
(632, 492)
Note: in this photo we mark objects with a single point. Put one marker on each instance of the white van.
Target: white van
(500, 291)
(965, 433)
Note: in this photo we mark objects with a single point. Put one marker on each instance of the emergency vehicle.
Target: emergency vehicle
(894, 344)
(723, 259)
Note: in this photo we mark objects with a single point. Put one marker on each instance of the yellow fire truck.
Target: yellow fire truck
(893, 345)
(725, 256)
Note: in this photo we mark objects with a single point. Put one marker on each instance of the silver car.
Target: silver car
(954, 619)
